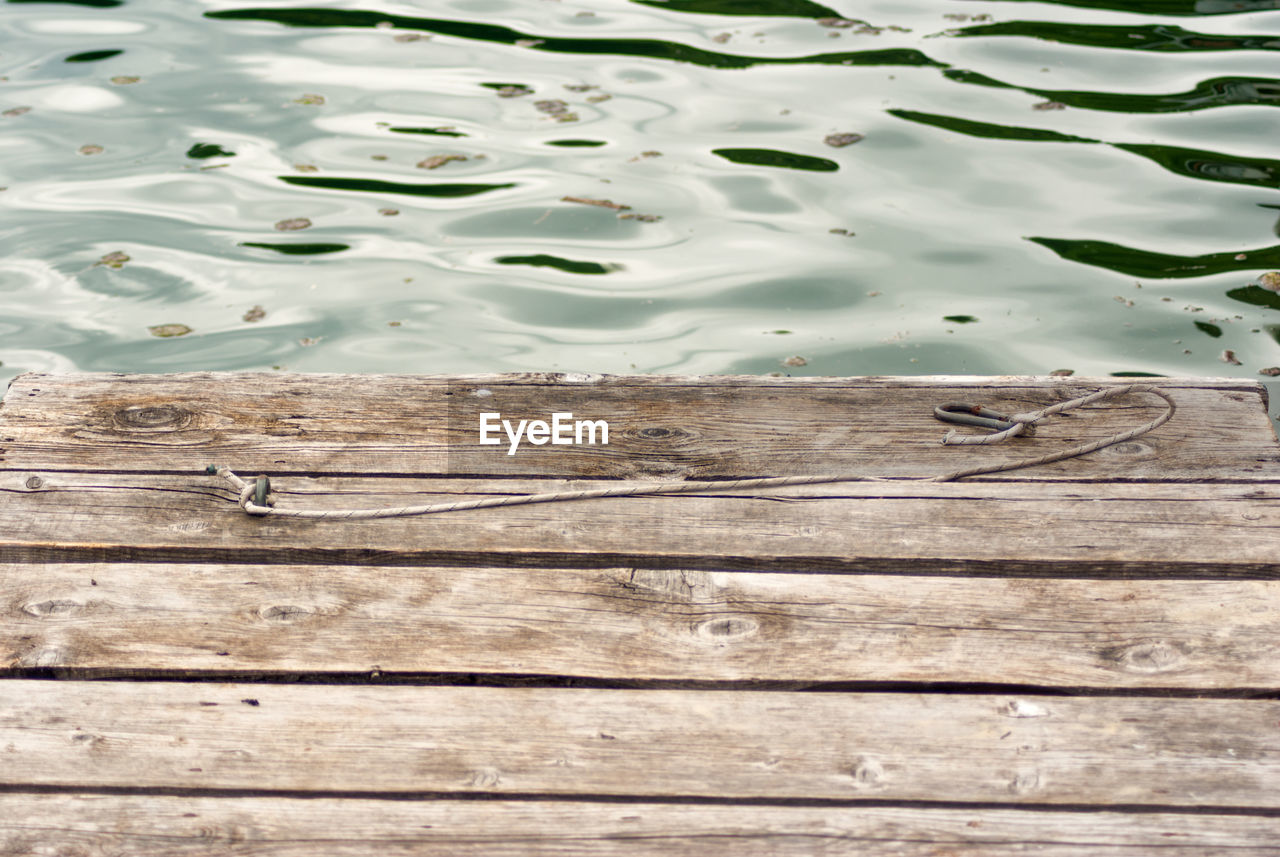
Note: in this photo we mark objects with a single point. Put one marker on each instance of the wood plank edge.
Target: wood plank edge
(146, 825)
(526, 379)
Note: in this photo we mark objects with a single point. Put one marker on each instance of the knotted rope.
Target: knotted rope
(256, 500)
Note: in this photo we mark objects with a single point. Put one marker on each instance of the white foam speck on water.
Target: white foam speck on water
(96, 26)
(78, 99)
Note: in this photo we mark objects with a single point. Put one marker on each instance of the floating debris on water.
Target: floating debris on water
(960, 319)
(838, 23)
(1270, 280)
(388, 212)
(1123, 300)
(795, 360)
(1049, 105)
(1270, 371)
(125, 79)
(603, 203)
(1063, 373)
(721, 38)
(581, 87)
(1229, 356)
(873, 293)
(411, 37)
(509, 90)
(643, 218)
(309, 98)
(961, 16)
(308, 341)
(529, 43)
(393, 324)
(1240, 257)
(840, 230)
(91, 149)
(168, 330)
(293, 224)
(439, 161)
(306, 168)
(257, 313)
(15, 111)
(597, 99)
(838, 140)
(114, 260)
(556, 108)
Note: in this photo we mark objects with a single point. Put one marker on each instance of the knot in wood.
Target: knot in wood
(285, 613)
(664, 435)
(152, 418)
(1153, 656)
(1025, 782)
(867, 773)
(52, 608)
(723, 628)
(1131, 449)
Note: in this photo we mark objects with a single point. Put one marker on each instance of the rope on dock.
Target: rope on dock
(256, 500)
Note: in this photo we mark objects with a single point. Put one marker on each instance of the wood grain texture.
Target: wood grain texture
(167, 826)
(1099, 751)
(638, 625)
(661, 426)
(1148, 566)
(1058, 529)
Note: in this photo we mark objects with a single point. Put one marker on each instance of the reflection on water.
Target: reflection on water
(1169, 7)
(702, 186)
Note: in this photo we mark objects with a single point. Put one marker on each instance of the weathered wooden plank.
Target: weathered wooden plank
(680, 427)
(1058, 529)
(152, 826)
(637, 625)
(1099, 751)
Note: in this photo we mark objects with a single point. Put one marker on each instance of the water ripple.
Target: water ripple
(662, 185)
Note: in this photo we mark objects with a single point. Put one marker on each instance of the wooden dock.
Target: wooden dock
(1080, 658)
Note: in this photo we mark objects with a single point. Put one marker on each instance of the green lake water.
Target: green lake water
(390, 187)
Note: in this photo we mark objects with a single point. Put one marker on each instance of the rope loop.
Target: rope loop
(255, 496)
